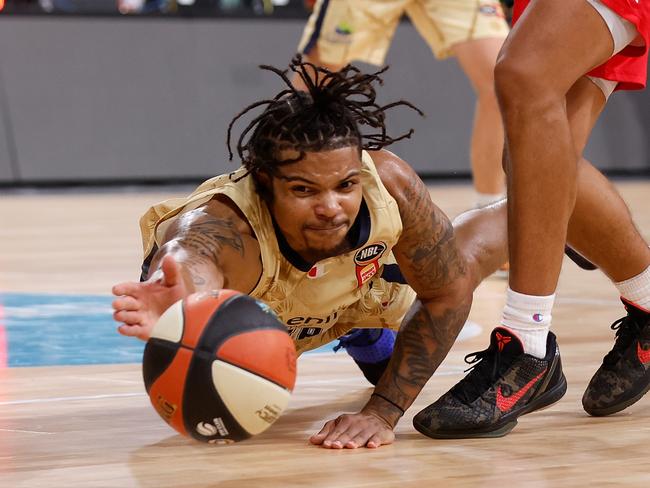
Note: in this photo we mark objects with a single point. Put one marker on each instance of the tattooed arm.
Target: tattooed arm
(210, 247)
(429, 258)
(432, 263)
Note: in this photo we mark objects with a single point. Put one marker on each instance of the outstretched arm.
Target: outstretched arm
(211, 247)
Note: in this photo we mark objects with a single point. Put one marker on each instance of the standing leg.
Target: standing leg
(477, 59)
(554, 44)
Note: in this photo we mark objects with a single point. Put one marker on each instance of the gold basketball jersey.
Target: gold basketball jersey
(361, 288)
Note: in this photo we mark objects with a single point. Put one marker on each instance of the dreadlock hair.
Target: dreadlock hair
(327, 116)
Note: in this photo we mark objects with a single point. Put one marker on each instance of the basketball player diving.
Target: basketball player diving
(337, 235)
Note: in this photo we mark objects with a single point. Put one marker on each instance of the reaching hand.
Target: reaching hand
(140, 305)
(350, 431)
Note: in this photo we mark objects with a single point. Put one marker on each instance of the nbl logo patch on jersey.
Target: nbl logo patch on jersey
(366, 261)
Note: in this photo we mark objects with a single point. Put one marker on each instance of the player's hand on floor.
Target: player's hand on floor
(349, 431)
(138, 306)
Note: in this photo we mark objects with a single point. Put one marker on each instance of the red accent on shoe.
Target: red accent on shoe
(502, 340)
(627, 303)
(642, 354)
(506, 403)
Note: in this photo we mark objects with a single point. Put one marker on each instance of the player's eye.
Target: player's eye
(348, 184)
(301, 190)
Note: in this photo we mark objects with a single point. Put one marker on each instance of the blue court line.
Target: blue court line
(50, 330)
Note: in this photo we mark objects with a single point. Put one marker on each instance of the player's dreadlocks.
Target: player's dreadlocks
(325, 117)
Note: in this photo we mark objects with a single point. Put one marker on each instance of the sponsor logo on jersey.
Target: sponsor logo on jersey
(300, 321)
(300, 333)
(316, 271)
(369, 253)
(366, 260)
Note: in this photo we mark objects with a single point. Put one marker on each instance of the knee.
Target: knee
(522, 85)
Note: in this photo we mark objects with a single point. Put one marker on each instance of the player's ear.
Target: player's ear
(264, 184)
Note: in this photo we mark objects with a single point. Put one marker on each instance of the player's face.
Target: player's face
(316, 201)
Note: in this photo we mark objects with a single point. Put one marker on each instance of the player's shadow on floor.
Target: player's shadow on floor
(164, 459)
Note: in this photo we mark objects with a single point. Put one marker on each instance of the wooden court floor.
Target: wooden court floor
(92, 426)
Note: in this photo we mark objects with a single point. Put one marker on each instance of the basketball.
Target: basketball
(219, 366)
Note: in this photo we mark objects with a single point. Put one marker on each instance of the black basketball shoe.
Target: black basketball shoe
(371, 349)
(503, 384)
(624, 376)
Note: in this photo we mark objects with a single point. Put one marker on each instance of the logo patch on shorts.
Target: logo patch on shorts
(344, 29)
(342, 34)
(491, 10)
(366, 260)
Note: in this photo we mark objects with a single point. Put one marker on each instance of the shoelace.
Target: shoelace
(483, 371)
(627, 330)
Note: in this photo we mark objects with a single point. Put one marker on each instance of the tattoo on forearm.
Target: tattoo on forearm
(422, 344)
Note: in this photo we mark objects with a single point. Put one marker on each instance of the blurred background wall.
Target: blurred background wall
(88, 99)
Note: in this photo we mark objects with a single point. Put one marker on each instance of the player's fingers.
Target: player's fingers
(130, 330)
(361, 438)
(385, 436)
(322, 434)
(345, 437)
(338, 432)
(129, 318)
(126, 303)
(126, 288)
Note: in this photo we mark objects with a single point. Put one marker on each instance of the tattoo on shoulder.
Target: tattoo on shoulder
(428, 244)
(209, 236)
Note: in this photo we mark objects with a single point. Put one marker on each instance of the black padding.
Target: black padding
(158, 355)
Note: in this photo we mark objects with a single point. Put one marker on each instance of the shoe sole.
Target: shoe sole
(603, 412)
(505, 423)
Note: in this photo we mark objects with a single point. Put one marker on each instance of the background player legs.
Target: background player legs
(551, 47)
(477, 58)
(601, 225)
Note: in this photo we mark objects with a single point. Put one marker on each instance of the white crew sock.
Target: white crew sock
(529, 317)
(637, 289)
(485, 199)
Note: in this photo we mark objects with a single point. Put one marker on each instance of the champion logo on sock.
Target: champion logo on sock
(538, 317)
